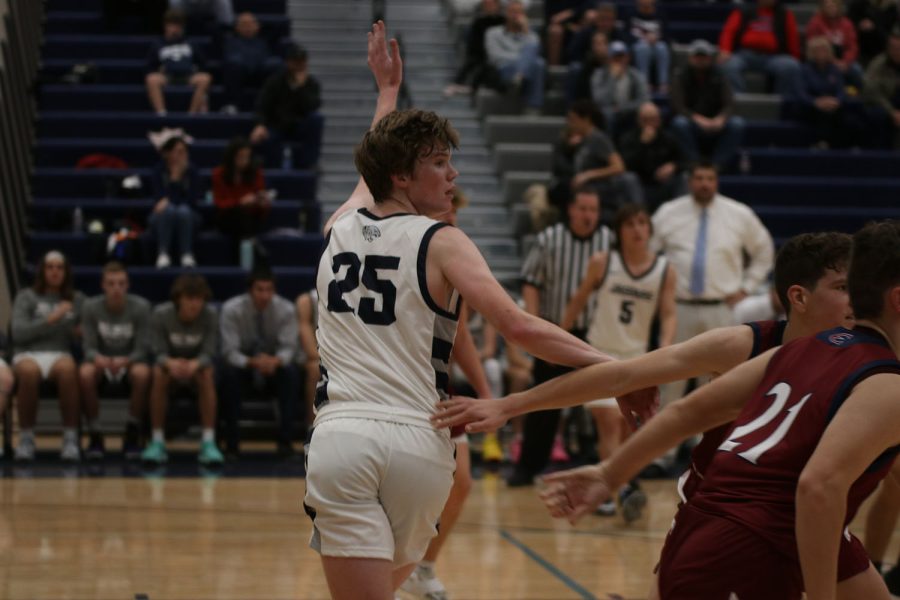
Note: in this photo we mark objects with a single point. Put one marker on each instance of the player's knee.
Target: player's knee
(204, 378)
(155, 79)
(64, 369)
(139, 373)
(201, 79)
(27, 371)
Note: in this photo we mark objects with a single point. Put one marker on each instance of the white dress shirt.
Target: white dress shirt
(733, 229)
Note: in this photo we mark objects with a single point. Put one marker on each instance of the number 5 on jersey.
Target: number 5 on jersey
(382, 287)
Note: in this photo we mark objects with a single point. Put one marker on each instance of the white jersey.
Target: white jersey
(382, 338)
(626, 304)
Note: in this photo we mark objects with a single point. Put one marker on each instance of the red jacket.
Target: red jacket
(840, 32)
(227, 194)
(759, 33)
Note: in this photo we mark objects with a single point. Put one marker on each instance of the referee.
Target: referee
(552, 272)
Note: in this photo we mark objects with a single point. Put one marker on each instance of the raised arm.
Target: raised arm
(865, 426)
(593, 276)
(387, 67)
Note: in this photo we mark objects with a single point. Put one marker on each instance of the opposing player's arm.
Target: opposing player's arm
(593, 276)
(867, 424)
(462, 265)
(709, 406)
(466, 356)
(715, 351)
(667, 309)
(387, 67)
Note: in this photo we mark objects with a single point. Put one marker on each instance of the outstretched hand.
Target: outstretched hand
(476, 415)
(640, 404)
(574, 493)
(384, 62)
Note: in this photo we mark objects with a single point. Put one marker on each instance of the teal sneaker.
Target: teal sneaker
(155, 452)
(209, 454)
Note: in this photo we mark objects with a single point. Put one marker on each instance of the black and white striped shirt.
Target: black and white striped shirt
(556, 265)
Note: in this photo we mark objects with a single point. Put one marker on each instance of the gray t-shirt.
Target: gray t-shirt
(594, 152)
(172, 338)
(30, 330)
(122, 333)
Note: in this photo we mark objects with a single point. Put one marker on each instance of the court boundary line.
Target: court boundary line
(547, 566)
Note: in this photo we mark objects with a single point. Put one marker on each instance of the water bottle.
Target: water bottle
(247, 255)
(744, 163)
(287, 159)
(77, 220)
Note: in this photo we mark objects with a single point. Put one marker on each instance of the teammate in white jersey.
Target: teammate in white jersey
(632, 284)
(389, 284)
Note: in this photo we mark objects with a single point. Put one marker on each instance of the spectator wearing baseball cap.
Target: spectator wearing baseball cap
(618, 89)
(702, 103)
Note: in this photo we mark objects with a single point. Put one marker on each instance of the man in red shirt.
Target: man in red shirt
(761, 37)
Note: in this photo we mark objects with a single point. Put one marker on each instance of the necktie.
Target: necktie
(698, 266)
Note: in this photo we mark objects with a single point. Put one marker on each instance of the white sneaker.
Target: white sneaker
(424, 585)
(163, 261)
(70, 451)
(229, 109)
(187, 260)
(25, 449)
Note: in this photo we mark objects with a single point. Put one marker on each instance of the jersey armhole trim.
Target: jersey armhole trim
(867, 370)
(422, 275)
(757, 338)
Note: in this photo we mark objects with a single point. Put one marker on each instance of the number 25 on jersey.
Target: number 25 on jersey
(385, 288)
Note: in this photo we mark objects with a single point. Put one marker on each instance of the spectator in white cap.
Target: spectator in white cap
(702, 104)
(619, 89)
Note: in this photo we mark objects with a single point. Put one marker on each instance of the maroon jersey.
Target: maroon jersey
(752, 479)
(766, 335)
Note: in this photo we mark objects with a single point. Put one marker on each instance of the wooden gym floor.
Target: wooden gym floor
(199, 538)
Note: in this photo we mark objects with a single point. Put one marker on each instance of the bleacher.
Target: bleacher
(111, 115)
(792, 187)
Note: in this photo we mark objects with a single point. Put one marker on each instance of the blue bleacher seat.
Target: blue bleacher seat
(86, 125)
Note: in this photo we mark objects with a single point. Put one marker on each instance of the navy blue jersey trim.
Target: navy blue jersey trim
(441, 349)
(639, 276)
(867, 370)
(756, 327)
(423, 279)
(442, 381)
(365, 212)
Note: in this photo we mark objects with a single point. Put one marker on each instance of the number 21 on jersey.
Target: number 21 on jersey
(384, 288)
(781, 392)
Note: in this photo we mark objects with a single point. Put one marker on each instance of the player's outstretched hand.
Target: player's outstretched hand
(640, 404)
(574, 493)
(384, 58)
(476, 415)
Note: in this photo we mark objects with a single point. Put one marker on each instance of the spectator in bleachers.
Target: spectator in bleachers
(239, 192)
(585, 157)
(45, 321)
(514, 50)
(646, 25)
(822, 100)
(259, 348)
(149, 13)
(874, 20)
(702, 101)
(618, 89)
(578, 80)
(175, 185)
(761, 37)
(605, 20)
(183, 345)
(175, 61)
(489, 15)
(307, 318)
(115, 326)
(565, 18)
(287, 115)
(830, 22)
(655, 157)
(7, 380)
(246, 61)
(882, 84)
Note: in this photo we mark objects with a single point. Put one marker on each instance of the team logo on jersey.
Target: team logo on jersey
(371, 232)
(839, 339)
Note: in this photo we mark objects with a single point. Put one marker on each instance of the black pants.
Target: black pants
(540, 427)
(236, 382)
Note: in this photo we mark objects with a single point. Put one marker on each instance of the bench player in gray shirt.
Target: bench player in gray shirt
(183, 346)
(44, 328)
(115, 328)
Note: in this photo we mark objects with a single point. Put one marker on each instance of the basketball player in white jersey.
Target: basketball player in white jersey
(389, 283)
(632, 284)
